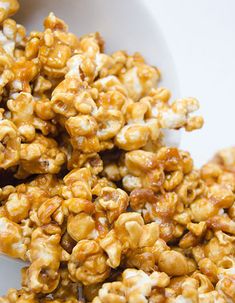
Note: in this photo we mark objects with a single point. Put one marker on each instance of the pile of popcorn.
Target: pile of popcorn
(90, 197)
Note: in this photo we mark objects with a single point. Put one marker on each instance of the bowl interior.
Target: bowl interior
(126, 25)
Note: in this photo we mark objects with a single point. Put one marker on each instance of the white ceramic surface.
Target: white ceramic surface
(124, 25)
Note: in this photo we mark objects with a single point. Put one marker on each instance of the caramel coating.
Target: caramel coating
(88, 263)
(40, 156)
(45, 255)
(9, 144)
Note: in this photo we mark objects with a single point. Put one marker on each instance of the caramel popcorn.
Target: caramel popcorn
(8, 8)
(113, 202)
(136, 286)
(9, 144)
(12, 239)
(164, 169)
(23, 115)
(45, 255)
(40, 156)
(23, 295)
(88, 263)
(107, 212)
(129, 233)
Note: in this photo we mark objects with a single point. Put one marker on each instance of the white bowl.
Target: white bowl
(124, 25)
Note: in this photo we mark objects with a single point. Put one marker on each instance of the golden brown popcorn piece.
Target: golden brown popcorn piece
(226, 158)
(40, 156)
(47, 182)
(34, 200)
(111, 65)
(226, 267)
(73, 96)
(189, 291)
(92, 44)
(209, 268)
(142, 166)
(135, 286)
(25, 296)
(19, 296)
(91, 161)
(78, 184)
(12, 40)
(210, 172)
(12, 240)
(6, 63)
(88, 61)
(205, 284)
(110, 83)
(85, 226)
(8, 8)
(24, 73)
(219, 246)
(129, 233)
(53, 47)
(45, 255)
(85, 219)
(220, 169)
(144, 258)
(215, 200)
(50, 211)
(154, 170)
(202, 209)
(111, 292)
(225, 287)
(40, 195)
(6, 191)
(42, 87)
(78, 159)
(175, 114)
(82, 129)
(110, 121)
(81, 226)
(139, 130)
(113, 202)
(161, 209)
(17, 206)
(133, 233)
(92, 63)
(211, 297)
(146, 117)
(88, 263)
(23, 115)
(223, 223)
(138, 77)
(191, 187)
(9, 144)
(93, 129)
(221, 195)
(175, 264)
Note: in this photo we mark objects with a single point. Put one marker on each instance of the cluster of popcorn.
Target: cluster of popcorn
(91, 197)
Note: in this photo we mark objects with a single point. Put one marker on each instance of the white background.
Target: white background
(201, 38)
